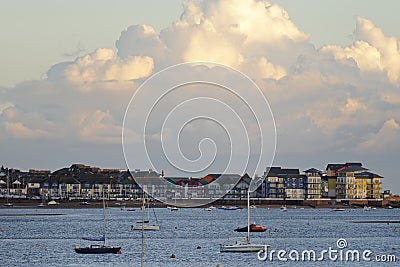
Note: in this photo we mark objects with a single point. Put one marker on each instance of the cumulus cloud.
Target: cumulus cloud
(99, 127)
(372, 52)
(26, 125)
(236, 33)
(352, 105)
(19, 130)
(387, 138)
(103, 65)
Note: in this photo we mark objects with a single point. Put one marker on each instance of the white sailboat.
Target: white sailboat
(244, 246)
(8, 204)
(145, 224)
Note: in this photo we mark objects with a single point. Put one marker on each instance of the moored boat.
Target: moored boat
(98, 249)
(338, 209)
(229, 208)
(253, 228)
(244, 246)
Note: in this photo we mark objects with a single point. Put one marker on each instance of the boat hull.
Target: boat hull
(98, 250)
(253, 228)
(242, 248)
(146, 227)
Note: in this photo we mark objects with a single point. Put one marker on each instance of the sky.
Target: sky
(330, 71)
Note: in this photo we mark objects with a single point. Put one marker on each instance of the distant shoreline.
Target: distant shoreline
(241, 203)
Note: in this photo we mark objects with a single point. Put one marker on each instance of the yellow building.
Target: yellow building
(369, 184)
(353, 181)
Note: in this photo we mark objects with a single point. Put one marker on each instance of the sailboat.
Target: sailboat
(103, 248)
(145, 224)
(8, 204)
(244, 246)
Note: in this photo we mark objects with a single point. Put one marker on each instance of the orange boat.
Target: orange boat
(253, 228)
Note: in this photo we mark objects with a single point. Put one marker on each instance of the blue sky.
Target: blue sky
(38, 34)
(329, 70)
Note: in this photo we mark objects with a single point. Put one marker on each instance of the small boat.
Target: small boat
(283, 208)
(389, 207)
(173, 208)
(253, 228)
(7, 204)
(99, 249)
(208, 209)
(52, 202)
(338, 209)
(41, 205)
(145, 227)
(144, 224)
(83, 203)
(244, 246)
(229, 208)
(367, 208)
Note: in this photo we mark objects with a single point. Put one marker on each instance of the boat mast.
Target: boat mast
(248, 215)
(104, 218)
(142, 256)
(8, 185)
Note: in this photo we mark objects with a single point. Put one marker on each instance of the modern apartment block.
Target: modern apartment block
(353, 181)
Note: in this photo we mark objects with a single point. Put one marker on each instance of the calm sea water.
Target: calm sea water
(49, 240)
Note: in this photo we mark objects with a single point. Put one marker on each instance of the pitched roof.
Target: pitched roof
(367, 175)
(144, 173)
(280, 171)
(352, 168)
(337, 166)
(312, 170)
(334, 166)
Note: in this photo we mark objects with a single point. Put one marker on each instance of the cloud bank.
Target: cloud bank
(329, 103)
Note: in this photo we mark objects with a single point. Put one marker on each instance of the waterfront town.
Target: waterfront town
(341, 182)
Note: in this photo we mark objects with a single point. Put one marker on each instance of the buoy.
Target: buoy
(173, 256)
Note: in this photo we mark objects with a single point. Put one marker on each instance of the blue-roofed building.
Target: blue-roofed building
(284, 183)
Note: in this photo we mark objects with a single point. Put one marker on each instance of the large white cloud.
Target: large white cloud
(373, 52)
(243, 34)
(103, 65)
